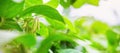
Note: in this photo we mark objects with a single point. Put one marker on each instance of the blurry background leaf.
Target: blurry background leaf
(29, 3)
(10, 8)
(83, 24)
(53, 3)
(113, 40)
(70, 25)
(27, 40)
(84, 34)
(84, 21)
(93, 2)
(79, 3)
(97, 46)
(65, 3)
(116, 28)
(110, 34)
(43, 10)
(72, 1)
(99, 27)
(79, 22)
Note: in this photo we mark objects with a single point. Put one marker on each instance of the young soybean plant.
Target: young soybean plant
(16, 15)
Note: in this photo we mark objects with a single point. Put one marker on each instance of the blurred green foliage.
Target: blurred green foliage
(60, 35)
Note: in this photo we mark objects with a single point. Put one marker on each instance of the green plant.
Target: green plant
(60, 35)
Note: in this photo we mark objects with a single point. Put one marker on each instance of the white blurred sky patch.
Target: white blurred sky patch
(6, 36)
(86, 44)
(45, 1)
(17, 1)
(108, 11)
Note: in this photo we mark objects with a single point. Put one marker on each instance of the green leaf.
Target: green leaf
(27, 40)
(53, 3)
(84, 22)
(93, 2)
(79, 22)
(44, 10)
(10, 24)
(68, 51)
(79, 3)
(47, 43)
(99, 27)
(56, 24)
(43, 31)
(10, 8)
(65, 4)
(84, 34)
(112, 37)
(29, 3)
(113, 40)
(116, 28)
(72, 1)
(69, 25)
(97, 45)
